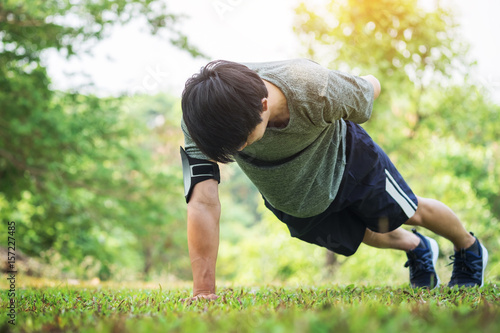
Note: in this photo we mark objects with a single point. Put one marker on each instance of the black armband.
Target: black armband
(196, 170)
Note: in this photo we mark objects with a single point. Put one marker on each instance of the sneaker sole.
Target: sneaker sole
(435, 254)
(485, 261)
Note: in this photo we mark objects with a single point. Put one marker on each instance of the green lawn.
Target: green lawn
(264, 309)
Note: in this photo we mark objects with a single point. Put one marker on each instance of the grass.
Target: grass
(264, 309)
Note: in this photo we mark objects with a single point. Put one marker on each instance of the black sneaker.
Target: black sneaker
(469, 265)
(422, 261)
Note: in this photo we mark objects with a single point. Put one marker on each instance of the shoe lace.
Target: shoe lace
(418, 264)
(461, 266)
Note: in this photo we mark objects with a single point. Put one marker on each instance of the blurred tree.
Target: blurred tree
(70, 26)
(409, 48)
(434, 122)
(77, 173)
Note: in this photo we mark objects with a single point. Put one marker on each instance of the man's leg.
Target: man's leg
(432, 215)
(422, 253)
(399, 239)
(440, 219)
(470, 257)
(380, 197)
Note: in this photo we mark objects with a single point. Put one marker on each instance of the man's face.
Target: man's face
(258, 132)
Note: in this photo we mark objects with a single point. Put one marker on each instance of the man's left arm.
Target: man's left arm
(375, 83)
(349, 97)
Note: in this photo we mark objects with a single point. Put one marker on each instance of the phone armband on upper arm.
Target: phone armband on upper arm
(196, 170)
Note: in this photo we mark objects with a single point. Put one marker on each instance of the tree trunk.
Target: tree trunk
(331, 262)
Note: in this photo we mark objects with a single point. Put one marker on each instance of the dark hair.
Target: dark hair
(221, 106)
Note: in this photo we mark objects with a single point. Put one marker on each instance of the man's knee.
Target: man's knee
(418, 218)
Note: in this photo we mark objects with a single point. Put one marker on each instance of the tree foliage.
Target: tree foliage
(408, 47)
(31, 26)
(81, 175)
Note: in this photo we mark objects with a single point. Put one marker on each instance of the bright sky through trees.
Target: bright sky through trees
(241, 30)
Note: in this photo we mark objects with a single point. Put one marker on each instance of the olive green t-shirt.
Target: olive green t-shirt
(298, 168)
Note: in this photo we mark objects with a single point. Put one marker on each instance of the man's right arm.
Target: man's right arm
(203, 215)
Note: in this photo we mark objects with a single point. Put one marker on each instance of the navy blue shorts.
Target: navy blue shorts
(372, 195)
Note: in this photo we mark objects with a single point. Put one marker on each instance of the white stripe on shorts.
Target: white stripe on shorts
(395, 191)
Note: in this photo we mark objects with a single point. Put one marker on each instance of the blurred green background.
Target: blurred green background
(94, 183)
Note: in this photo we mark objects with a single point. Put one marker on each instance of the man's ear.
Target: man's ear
(264, 104)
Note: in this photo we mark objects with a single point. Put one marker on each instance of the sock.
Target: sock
(421, 245)
(474, 248)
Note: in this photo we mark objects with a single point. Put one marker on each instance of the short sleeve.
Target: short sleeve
(348, 97)
(189, 146)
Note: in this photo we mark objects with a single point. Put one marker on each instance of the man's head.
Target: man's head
(222, 105)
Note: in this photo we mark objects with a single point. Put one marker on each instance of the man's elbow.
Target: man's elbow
(375, 84)
(205, 194)
(377, 88)
(202, 204)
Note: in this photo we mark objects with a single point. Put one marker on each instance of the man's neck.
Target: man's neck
(277, 104)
